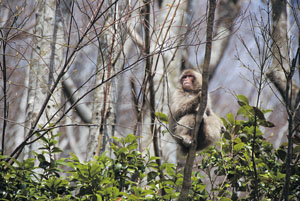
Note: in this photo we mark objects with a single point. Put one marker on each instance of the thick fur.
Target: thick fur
(182, 118)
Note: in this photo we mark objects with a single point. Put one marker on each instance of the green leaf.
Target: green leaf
(230, 118)
(56, 150)
(227, 135)
(74, 157)
(99, 197)
(132, 146)
(260, 115)
(224, 122)
(241, 103)
(130, 138)
(281, 154)
(266, 111)
(95, 170)
(118, 166)
(267, 124)
(58, 134)
(280, 176)
(243, 99)
(162, 117)
(237, 140)
(170, 171)
(45, 140)
(245, 111)
(152, 175)
(41, 157)
(123, 150)
(236, 129)
(239, 146)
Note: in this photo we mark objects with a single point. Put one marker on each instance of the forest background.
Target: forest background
(90, 76)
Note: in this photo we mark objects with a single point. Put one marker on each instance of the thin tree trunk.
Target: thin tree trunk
(39, 67)
(94, 132)
(166, 31)
(205, 77)
(104, 101)
(226, 14)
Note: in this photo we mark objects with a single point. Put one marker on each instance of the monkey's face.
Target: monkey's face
(187, 82)
(190, 81)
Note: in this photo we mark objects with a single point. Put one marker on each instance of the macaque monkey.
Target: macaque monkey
(184, 106)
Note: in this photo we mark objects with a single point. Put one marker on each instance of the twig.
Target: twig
(68, 60)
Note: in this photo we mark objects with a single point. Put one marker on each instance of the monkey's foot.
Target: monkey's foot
(187, 141)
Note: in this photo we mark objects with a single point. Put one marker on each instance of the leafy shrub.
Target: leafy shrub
(247, 164)
(243, 167)
(129, 176)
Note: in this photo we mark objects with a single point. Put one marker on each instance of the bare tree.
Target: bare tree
(43, 112)
(117, 62)
(45, 62)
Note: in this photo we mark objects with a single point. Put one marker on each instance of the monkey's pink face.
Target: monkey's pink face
(187, 82)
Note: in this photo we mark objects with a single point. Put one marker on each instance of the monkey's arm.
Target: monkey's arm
(188, 105)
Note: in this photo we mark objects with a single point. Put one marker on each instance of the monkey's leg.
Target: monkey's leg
(210, 131)
(184, 129)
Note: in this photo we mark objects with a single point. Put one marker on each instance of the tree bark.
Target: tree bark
(203, 102)
(105, 98)
(39, 67)
(166, 36)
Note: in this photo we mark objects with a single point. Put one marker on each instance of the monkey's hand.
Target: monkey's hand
(187, 140)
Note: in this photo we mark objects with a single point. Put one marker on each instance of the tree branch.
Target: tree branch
(203, 102)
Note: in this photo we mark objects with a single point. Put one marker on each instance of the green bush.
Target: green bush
(242, 166)
(129, 176)
(242, 146)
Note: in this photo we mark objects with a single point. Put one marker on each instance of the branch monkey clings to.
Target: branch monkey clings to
(182, 118)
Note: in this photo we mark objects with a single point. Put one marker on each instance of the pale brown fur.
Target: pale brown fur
(182, 118)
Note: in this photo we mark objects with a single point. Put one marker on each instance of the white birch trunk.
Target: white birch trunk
(94, 131)
(105, 96)
(38, 73)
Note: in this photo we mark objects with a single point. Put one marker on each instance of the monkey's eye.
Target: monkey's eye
(187, 76)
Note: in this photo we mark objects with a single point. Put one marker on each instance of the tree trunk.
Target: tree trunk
(105, 97)
(168, 34)
(44, 62)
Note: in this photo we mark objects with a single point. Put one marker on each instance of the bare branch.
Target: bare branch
(70, 90)
(203, 102)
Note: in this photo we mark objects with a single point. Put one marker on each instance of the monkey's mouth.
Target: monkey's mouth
(187, 83)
